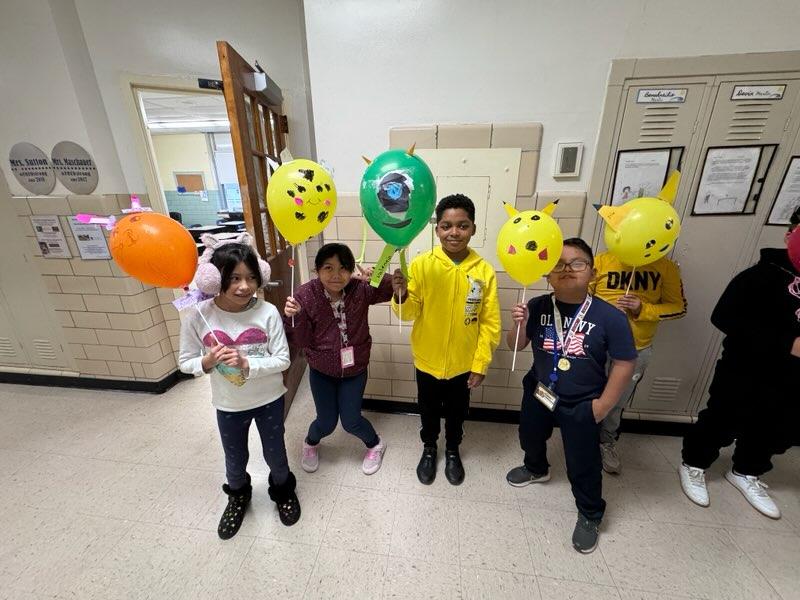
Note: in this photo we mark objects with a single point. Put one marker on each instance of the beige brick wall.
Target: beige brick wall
(117, 328)
(391, 372)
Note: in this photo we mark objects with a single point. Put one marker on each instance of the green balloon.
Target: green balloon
(398, 195)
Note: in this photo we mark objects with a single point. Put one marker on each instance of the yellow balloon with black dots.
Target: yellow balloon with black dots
(301, 199)
(643, 229)
(529, 244)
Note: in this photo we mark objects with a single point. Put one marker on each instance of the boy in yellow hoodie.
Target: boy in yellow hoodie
(647, 295)
(451, 296)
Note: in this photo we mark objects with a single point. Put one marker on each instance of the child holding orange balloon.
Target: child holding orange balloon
(239, 340)
(330, 315)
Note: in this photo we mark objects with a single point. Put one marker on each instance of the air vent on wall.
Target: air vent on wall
(658, 124)
(44, 349)
(748, 122)
(664, 390)
(7, 348)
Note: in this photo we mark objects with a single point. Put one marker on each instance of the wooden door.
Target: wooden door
(258, 134)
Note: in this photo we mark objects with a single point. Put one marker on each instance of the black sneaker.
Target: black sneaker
(453, 467)
(426, 469)
(232, 518)
(584, 538)
(522, 476)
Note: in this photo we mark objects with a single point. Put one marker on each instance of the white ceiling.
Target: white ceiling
(181, 110)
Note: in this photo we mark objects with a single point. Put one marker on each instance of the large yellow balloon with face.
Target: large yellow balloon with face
(301, 199)
(529, 243)
(644, 229)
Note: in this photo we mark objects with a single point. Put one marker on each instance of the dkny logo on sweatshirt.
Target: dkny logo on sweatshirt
(643, 280)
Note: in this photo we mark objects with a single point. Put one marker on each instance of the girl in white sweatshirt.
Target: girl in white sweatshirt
(239, 340)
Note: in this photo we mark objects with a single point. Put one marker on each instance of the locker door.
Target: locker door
(30, 335)
(712, 248)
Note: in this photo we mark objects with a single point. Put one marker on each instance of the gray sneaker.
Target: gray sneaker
(584, 538)
(521, 476)
(611, 463)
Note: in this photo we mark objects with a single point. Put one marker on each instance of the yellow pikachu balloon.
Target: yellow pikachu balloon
(643, 229)
(529, 244)
(301, 199)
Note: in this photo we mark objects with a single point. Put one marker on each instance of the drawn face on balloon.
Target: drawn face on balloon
(398, 195)
(643, 230)
(301, 198)
(529, 243)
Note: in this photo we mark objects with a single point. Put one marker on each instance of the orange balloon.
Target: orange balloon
(155, 249)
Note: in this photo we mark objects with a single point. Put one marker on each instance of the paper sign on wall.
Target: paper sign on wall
(91, 242)
(50, 236)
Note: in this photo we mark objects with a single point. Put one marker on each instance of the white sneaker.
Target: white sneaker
(755, 491)
(610, 456)
(310, 459)
(693, 482)
(373, 458)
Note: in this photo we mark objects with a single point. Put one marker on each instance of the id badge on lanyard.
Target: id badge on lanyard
(348, 357)
(546, 394)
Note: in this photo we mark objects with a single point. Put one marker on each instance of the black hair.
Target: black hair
(340, 251)
(455, 201)
(794, 220)
(226, 258)
(576, 242)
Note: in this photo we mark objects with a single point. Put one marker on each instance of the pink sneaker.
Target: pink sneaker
(310, 460)
(373, 458)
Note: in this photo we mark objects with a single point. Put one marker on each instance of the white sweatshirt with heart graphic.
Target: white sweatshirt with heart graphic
(257, 332)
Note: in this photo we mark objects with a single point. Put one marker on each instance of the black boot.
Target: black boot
(426, 469)
(234, 513)
(284, 497)
(453, 468)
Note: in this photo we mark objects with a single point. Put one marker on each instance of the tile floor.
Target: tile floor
(114, 495)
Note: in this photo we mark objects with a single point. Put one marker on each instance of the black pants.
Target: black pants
(442, 397)
(233, 430)
(581, 436)
(762, 420)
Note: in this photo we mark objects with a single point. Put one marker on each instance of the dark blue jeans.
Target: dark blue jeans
(233, 429)
(337, 397)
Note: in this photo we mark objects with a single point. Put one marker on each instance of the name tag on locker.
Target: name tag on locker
(348, 357)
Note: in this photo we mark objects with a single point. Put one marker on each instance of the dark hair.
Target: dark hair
(578, 243)
(226, 258)
(794, 220)
(455, 201)
(340, 251)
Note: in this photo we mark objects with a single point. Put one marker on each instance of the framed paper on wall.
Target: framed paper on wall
(727, 180)
(788, 198)
(642, 173)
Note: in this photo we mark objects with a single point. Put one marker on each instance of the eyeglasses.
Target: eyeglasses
(576, 266)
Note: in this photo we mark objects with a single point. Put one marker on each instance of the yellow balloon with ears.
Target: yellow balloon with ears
(529, 244)
(301, 199)
(643, 229)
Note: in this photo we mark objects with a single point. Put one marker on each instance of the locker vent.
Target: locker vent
(749, 121)
(658, 124)
(7, 347)
(44, 349)
(664, 390)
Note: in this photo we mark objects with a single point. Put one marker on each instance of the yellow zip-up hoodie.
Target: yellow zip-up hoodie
(658, 285)
(455, 311)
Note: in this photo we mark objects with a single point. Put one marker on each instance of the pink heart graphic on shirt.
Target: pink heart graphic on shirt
(248, 336)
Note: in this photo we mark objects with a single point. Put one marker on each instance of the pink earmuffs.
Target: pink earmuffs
(207, 278)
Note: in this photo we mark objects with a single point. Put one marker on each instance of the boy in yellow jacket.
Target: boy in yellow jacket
(655, 295)
(451, 296)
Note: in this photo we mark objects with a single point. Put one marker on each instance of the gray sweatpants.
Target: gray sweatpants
(610, 425)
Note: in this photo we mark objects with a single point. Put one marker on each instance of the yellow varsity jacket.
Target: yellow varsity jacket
(658, 285)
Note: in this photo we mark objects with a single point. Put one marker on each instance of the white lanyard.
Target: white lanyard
(574, 326)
